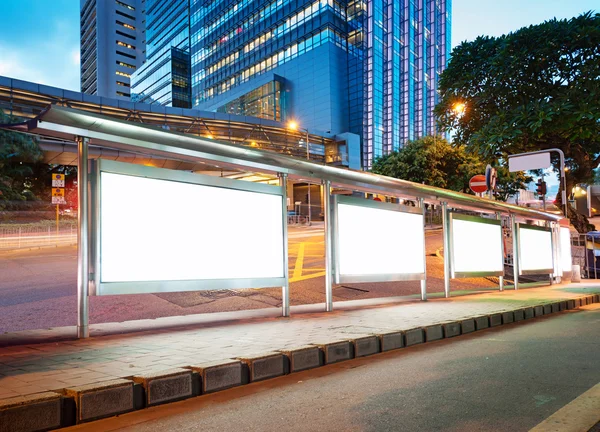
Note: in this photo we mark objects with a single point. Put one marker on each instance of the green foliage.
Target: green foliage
(18, 154)
(433, 161)
(534, 89)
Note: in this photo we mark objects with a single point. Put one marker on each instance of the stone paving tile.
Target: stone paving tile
(35, 368)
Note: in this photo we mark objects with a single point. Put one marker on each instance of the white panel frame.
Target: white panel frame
(457, 274)
(146, 287)
(522, 226)
(562, 231)
(357, 278)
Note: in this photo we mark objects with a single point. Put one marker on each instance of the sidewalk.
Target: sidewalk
(266, 344)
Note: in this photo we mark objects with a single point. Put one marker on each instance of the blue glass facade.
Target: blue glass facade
(368, 67)
(165, 77)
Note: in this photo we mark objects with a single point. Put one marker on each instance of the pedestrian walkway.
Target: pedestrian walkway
(154, 346)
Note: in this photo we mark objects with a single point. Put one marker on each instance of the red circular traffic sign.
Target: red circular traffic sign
(478, 183)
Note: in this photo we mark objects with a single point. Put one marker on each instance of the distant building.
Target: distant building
(367, 67)
(112, 45)
(165, 77)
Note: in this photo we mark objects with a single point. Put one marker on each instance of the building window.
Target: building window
(124, 5)
(126, 45)
(125, 15)
(126, 35)
(120, 63)
(129, 26)
(123, 74)
(121, 83)
(125, 54)
(119, 93)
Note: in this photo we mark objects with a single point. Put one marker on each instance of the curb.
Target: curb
(75, 405)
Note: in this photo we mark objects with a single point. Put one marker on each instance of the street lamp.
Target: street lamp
(293, 125)
(459, 108)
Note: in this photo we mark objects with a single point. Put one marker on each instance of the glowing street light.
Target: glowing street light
(459, 108)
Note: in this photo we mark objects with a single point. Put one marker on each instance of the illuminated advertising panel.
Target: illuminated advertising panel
(476, 245)
(164, 230)
(535, 250)
(565, 249)
(377, 242)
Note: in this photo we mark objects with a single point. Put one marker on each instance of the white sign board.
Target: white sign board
(476, 246)
(528, 162)
(155, 230)
(390, 249)
(565, 249)
(535, 250)
(58, 200)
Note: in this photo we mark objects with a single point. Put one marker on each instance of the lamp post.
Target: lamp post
(294, 126)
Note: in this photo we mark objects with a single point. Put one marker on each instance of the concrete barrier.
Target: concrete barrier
(166, 386)
(105, 399)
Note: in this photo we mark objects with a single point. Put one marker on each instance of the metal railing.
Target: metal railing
(24, 237)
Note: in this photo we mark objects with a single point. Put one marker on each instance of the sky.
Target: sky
(39, 39)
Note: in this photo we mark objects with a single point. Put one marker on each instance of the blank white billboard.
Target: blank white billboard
(535, 250)
(163, 230)
(528, 162)
(565, 249)
(378, 244)
(476, 246)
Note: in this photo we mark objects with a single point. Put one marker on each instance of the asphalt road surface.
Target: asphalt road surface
(506, 379)
(38, 287)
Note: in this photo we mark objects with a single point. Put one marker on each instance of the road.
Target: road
(38, 287)
(505, 379)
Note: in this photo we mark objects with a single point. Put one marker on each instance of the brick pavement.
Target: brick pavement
(34, 368)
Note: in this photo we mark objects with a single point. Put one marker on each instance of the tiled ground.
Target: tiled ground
(33, 368)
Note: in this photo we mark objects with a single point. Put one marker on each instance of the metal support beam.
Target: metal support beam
(424, 281)
(83, 306)
(328, 246)
(446, 226)
(285, 289)
(515, 233)
(501, 278)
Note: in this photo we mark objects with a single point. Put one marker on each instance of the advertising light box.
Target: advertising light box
(535, 250)
(565, 250)
(186, 231)
(377, 241)
(476, 245)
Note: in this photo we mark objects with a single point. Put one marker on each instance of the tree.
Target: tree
(18, 153)
(537, 88)
(433, 161)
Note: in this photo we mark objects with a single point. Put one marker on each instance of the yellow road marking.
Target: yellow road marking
(305, 277)
(579, 415)
(299, 262)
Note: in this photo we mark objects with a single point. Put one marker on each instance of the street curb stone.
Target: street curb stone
(414, 336)
(519, 315)
(508, 317)
(570, 304)
(166, 386)
(104, 399)
(303, 358)
(547, 309)
(562, 306)
(467, 326)
(336, 351)
(265, 366)
(495, 320)
(555, 307)
(366, 346)
(482, 322)
(529, 313)
(215, 376)
(391, 341)
(452, 329)
(433, 333)
(40, 411)
(539, 310)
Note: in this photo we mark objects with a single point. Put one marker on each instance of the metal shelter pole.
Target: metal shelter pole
(501, 278)
(424, 281)
(83, 306)
(446, 229)
(515, 233)
(285, 289)
(328, 246)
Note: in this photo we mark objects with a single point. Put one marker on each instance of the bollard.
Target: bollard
(575, 273)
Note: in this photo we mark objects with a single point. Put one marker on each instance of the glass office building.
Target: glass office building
(164, 78)
(368, 67)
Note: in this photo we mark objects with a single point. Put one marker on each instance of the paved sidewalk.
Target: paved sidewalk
(34, 368)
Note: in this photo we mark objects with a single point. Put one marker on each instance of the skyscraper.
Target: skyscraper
(369, 67)
(112, 45)
(164, 78)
